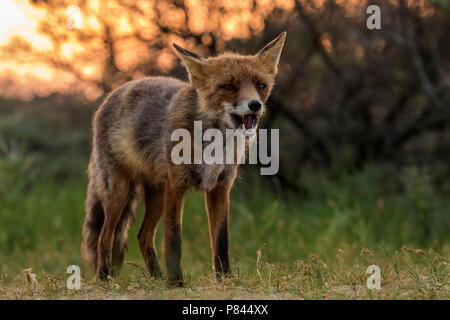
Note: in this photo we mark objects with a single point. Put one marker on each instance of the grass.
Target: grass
(312, 250)
(404, 275)
(312, 244)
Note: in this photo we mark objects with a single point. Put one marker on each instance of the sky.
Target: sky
(12, 19)
(18, 18)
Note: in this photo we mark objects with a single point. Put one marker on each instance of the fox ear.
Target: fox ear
(269, 56)
(194, 64)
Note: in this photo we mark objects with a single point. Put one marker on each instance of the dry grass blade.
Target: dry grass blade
(31, 277)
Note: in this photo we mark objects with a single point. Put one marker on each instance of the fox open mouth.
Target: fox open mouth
(246, 122)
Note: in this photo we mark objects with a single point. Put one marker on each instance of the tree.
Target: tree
(346, 95)
(106, 43)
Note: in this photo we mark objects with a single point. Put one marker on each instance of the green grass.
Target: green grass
(312, 244)
(309, 248)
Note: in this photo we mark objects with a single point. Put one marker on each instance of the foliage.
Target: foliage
(346, 95)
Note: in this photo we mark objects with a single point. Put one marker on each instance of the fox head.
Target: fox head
(234, 88)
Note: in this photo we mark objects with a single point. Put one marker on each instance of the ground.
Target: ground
(407, 274)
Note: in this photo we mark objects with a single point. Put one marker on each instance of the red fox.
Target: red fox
(131, 153)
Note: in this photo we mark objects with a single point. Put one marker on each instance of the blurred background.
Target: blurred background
(364, 119)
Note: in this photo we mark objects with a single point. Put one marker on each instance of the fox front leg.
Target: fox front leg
(218, 207)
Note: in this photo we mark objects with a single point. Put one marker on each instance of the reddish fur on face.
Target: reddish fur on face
(131, 150)
(242, 72)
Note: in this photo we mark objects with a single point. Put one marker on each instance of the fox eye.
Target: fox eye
(260, 86)
(228, 87)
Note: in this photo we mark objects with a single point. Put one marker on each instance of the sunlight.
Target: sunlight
(11, 19)
(18, 18)
(74, 17)
(69, 36)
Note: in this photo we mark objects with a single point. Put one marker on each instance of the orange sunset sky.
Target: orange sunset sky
(25, 79)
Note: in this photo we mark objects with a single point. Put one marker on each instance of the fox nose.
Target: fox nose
(254, 105)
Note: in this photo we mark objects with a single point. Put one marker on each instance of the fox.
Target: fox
(130, 157)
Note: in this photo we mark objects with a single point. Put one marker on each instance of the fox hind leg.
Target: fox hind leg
(173, 211)
(121, 232)
(154, 207)
(116, 200)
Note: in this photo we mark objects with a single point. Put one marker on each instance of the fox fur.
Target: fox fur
(131, 156)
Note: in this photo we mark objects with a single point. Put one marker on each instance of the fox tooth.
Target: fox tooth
(250, 132)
